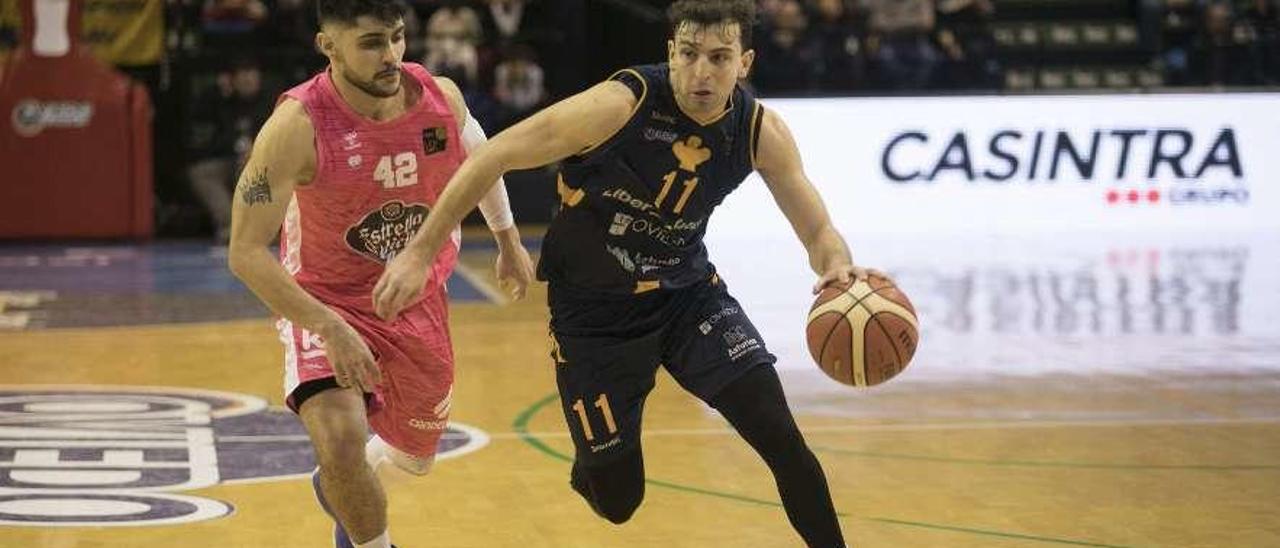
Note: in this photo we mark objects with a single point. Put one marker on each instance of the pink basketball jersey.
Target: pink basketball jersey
(373, 186)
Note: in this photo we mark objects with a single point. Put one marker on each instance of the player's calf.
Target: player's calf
(614, 490)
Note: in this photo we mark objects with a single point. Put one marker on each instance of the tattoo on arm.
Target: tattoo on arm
(255, 189)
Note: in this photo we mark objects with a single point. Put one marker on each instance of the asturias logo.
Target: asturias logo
(115, 456)
(1131, 165)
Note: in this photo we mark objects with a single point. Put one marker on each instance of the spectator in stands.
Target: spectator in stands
(838, 29)
(291, 30)
(453, 34)
(232, 24)
(291, 25)
(1217, 60)
(220, 136)
(966, 42)
(504, 20)
(788, 57)
(518, 86)
(767, 9)
(901, 42)
(1263, 20)
(1178, 21)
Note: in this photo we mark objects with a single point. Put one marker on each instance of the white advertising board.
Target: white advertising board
(1012, 164)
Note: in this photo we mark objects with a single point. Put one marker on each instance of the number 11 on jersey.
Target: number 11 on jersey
(602, 403)
(667, 181)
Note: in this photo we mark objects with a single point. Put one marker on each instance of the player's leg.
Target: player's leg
(603, 383)
(392, 467)
(416, 395)
(757, 408)
(714, 351)
(613, 490)
(335, 419)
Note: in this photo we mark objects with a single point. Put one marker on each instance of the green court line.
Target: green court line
(992, 533)
(1049, 464)
(521, 426)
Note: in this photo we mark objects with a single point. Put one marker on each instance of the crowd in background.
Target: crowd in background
(503, 54)
(228, 60)
(490, 49)
(1216, 43)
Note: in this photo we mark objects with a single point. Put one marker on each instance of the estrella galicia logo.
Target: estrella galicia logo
(434, 139)
(77, 456)
(384, 232)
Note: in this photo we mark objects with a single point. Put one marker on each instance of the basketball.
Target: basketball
(863, 333)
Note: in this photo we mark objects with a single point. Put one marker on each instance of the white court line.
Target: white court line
(842, 428)
(481, 284)
(264, 479)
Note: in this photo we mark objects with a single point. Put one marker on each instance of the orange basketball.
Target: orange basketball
(864, 333)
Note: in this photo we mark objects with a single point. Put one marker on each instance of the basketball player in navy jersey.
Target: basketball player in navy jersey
(647, 155)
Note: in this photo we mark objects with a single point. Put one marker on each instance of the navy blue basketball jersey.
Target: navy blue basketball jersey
(634, 208)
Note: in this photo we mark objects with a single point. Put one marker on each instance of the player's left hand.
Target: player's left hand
(844, 274)
(514, 269)
(400, 285)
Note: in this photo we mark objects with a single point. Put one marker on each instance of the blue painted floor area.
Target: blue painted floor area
(52, 285)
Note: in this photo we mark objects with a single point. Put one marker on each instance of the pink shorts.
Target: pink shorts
(410, 409)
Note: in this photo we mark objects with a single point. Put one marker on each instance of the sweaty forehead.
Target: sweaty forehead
(717, 35)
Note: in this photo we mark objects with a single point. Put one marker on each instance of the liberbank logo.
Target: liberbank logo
(119, 455)
(1133, 166)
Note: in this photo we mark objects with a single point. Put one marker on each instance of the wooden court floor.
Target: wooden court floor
(1177, 461)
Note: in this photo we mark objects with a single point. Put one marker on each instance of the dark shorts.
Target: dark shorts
(607, 352)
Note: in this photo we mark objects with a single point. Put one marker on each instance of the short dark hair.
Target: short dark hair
(711, 12)
(347, 11)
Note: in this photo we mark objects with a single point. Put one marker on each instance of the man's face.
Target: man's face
(367, 55)
(247, 81)
(706, 63)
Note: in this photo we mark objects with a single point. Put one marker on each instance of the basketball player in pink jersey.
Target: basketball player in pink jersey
(349, 163)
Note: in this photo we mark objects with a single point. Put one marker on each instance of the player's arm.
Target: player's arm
(559, 131)
(514, 268)
(563, 129)
(778, 161)
(284, 156)
(495, 206)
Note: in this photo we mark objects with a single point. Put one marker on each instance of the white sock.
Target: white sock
(380, 541)
(382, 458)
(375, 453)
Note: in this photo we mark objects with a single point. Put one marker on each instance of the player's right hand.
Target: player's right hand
(843, 275)
(400, 285)
(353, 364)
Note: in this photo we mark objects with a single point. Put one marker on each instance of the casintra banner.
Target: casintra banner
(1000, 164)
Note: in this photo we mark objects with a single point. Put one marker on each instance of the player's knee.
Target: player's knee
(614, 490)
(618, 506)
(341, 453)
(398, 467)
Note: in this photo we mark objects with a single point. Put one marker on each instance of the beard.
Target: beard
(372, 87)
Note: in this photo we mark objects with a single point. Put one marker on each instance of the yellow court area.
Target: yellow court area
(1055, 459)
